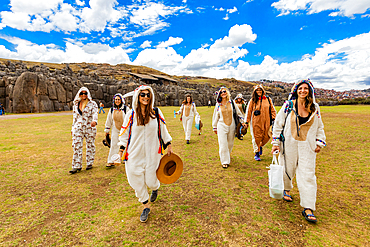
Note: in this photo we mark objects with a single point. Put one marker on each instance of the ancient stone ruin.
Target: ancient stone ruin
(25, 89)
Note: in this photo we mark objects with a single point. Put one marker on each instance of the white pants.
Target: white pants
(114, 148)
(77, 143)
(254, 144)
(301, 162)
(187, 123)
(140, 176)
(226, 135)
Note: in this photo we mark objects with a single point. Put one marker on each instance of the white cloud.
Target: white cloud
(80, 3)
(226, 17)
(143, 18)
(232, 10)
(146, 44)
(238, 35)
(170, 42)
(206, 57)
(73, 52)
(340, 8)
(220, 9)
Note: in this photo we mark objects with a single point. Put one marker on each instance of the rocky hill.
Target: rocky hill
(43, 87)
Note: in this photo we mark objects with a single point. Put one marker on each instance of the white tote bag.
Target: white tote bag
(197, 119)
(276, 182)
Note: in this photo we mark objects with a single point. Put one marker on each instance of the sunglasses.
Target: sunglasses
(224, 91)
(83, 93)
(145, 94)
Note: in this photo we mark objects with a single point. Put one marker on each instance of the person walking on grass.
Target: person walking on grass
(2, 111)
(85, 119)
(224, 125)
(260, 114)
(240, 103)
(141, 146)
(298, 135)
(101, 107)
(115, 118)
(187, 112)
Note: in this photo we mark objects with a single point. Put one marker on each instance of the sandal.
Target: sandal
(306, 216)
(225, 166)
(110, 166)
(289, 196)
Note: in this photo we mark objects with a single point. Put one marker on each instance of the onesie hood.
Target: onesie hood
(122, 100)
(293, 93)
(136, 92)
(77, 97)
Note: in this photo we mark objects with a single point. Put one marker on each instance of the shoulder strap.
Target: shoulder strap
(125, 108)
(111, 109)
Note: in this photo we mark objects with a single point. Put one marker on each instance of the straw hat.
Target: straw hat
(170, 169)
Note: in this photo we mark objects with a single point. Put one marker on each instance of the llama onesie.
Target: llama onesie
(81, 128)
(300, 144)
(223, 122)
(187, 113)
(142, 148)
(114, 122)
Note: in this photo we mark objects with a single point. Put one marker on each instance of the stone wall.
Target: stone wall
(41, 89)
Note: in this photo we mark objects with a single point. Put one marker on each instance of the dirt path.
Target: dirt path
(16, 116)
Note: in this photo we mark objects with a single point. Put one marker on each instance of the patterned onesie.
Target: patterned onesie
(81, 128)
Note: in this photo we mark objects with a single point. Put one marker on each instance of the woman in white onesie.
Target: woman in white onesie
(299, 130)
(223, 124)
(139, 139)
(187, 112)
(85, 119)
(115, 118)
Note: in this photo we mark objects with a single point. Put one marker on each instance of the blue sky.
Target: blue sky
(327, 41)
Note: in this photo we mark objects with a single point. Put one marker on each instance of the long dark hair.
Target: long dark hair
(308, 101)
(149, 113)
(255, 96)
(186, 101)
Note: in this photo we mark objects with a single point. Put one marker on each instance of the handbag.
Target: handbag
(276, 182)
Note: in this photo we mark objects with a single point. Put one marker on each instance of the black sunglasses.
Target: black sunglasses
(143, 95)
(224, 91)
(83, 93)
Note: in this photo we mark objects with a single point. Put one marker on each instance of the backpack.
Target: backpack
(124, 109)
(162, 145)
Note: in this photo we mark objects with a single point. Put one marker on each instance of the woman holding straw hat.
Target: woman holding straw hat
(260, 114)
(187, 112)
(114, 122)
(298, 135)
(85, 119)
(224, 125)
(141, 146)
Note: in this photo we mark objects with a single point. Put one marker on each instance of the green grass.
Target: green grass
(42, 205)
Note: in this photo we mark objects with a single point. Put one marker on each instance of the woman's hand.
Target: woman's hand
(244, 125)
(169, 150)
(93, 124)
(215, 131)
(274, 148)
(106, 133)
(317, 150)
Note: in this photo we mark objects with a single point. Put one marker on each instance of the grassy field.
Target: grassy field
(42, 205)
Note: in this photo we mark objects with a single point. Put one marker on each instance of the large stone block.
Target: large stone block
(2, 92)
(99, 93)
(69, 96)
(25, 98)
(45, 104)
(61, 93)
(112, 90)
(52, 92)
(2, 83)
(57, 106)
(42, 88)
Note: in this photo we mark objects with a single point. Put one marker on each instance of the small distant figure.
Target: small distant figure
(209, 103)
(101, 105)
(2, 111)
